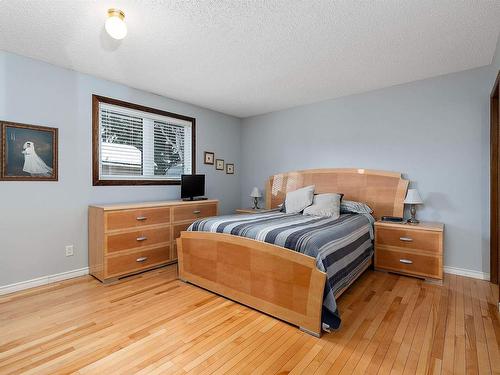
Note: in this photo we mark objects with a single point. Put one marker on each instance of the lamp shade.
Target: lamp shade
(413, 197)
(255, 193)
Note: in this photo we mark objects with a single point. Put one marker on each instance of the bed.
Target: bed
(278, 263)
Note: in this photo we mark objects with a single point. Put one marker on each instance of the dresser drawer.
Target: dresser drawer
(409, 239)
(194, 211)
(408, 262)
(178, 228)
(124, 219)
(174, 252)
(136, 239)
(139, 260)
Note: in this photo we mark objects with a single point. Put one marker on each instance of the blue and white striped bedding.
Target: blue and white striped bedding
(341, 247)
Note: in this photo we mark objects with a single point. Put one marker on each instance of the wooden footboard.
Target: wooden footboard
(269, 278)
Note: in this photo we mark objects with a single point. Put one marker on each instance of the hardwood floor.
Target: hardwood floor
(155, 324)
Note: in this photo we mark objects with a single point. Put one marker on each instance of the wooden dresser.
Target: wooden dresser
(129, 238)
(410, 249)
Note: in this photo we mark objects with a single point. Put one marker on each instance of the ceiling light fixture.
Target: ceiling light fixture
(115, 24)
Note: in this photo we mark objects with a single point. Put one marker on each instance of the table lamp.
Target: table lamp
(413, 198)
(255, 194)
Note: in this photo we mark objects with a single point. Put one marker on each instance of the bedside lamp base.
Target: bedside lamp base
(413, 212)
(256, 203)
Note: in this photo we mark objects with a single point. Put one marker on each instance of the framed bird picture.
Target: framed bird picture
(28, 152)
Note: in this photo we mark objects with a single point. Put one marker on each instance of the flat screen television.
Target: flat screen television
(192, 186)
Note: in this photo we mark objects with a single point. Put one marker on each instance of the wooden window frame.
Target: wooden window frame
(96, 100)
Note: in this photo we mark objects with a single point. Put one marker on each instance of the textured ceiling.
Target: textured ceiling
(246, 57)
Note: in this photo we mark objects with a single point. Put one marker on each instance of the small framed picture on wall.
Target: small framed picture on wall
(219, 164)
(28, 152)
(209, 157)
(230, 168)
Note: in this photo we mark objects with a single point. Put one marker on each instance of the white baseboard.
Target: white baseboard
(468, 273)
(44, 280)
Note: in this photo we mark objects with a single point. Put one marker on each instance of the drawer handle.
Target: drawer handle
(141, 259)
(406, 239)
(141, 218)
(141, 238)
(196, 212)
(406, 261)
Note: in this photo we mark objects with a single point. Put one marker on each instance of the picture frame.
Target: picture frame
(28, 152)
(230, 168)
(209, 157)
(219, 164)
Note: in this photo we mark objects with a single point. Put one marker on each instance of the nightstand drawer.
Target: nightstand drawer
(409, 239)
(409, 263)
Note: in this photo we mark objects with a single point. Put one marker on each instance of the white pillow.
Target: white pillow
(297, 200)
(327, 204)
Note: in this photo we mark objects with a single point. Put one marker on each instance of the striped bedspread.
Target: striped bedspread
(341, 247)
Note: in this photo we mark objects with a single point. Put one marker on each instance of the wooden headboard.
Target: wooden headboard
(383, 191)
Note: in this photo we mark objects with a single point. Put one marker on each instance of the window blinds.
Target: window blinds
(142, 145)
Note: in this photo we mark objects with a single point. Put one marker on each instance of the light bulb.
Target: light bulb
(115, 24)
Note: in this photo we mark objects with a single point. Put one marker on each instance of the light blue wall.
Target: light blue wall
(37, 219)
(496, 58)
(435, 131)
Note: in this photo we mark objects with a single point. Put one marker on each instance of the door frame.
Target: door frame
(494, 181)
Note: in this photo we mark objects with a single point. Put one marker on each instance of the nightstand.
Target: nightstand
(250, 210)
(410, 249)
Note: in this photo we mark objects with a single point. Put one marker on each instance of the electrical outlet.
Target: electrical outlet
(70, 251)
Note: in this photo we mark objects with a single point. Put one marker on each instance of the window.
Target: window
(136, 145)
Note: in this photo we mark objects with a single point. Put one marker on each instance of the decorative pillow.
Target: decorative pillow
(347, 207)
(325, 205)
(282, 206)
(299, 199)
